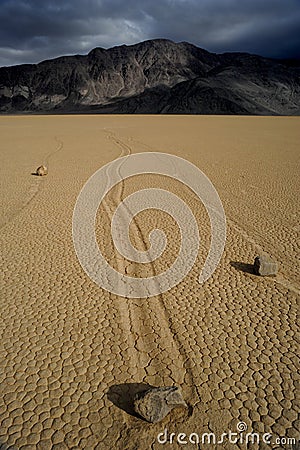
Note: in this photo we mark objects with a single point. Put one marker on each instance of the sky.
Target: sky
(35, 30)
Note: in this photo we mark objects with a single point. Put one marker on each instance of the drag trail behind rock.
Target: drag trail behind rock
(146, 322)
(33, 188)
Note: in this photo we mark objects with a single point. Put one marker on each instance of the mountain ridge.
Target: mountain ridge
(153, 77)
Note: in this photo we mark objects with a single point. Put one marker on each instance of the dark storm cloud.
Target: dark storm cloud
(269, 27)
(33, 30)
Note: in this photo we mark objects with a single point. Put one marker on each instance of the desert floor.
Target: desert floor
(73, 355)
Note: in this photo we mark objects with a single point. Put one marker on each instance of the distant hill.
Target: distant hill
(153, 77)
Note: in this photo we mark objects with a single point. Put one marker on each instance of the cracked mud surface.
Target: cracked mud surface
(74, 355)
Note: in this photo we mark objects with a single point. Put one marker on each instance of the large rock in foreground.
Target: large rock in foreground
(155, 403)
(265, 266)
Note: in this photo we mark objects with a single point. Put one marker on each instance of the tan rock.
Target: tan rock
(41, 171)
(155, 403)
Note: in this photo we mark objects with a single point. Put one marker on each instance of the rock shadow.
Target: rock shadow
(122, 395)
(243, 267)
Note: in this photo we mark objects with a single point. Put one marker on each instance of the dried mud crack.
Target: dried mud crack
(73, 355)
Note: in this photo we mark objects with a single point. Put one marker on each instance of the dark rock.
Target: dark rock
(155, 403)
(264, 266)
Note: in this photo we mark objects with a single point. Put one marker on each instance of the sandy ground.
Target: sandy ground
(73, 355)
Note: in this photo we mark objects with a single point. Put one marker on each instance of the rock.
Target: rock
(155, 403)
(42, 170)
(264, 266)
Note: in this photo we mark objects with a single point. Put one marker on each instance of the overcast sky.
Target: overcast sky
(34, 30)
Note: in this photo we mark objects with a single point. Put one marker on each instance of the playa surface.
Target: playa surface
(73, 355)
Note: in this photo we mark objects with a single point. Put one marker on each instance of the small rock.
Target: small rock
(42, 170)
(264, 266)
(155, 403)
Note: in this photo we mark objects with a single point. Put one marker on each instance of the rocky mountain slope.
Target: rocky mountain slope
(157, 76)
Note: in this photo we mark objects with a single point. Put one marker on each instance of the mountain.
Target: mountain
(153, 77)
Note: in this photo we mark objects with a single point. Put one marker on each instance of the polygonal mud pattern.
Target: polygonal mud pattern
(68, 345)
